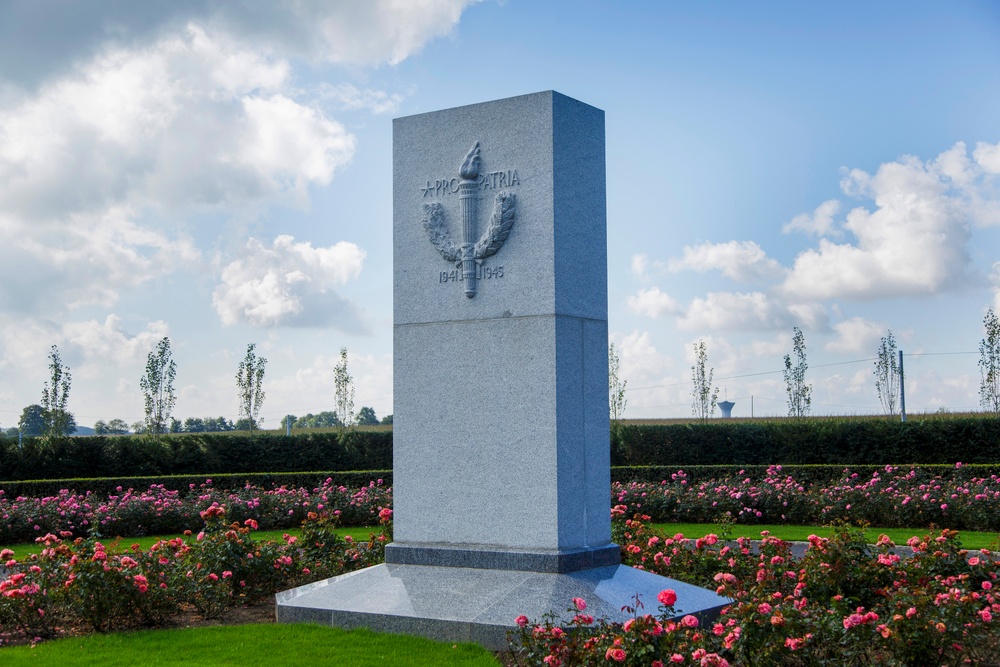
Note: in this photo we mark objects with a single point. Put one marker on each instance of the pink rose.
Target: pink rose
(667, 597)
(616, 654)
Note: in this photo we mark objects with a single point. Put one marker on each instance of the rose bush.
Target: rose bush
(844, 602)
(89, 584)
(158, 510)
(894, 497)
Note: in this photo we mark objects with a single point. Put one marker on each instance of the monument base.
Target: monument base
(458, 604)
(552, 561)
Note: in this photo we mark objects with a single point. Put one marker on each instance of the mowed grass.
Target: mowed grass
(22, 551)
(248, 645)
(970, 539)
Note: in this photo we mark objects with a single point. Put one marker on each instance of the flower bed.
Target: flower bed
(844, 603)
(84, 585)
(160, 511)
(893, 497)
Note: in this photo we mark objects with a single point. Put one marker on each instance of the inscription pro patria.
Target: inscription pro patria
(468, 257)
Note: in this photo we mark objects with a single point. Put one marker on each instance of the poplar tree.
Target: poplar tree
(157, 386)
(616, 387)
(55, 398)
(989, 364)
(703, 395)
(343, 388)
(249, 384)
(799, 393)
(887, 374)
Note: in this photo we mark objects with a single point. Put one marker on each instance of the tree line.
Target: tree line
(887, 372)
(51, 417)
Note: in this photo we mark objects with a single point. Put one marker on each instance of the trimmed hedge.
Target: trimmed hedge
(842, 442)
(806, 474)
(211, 454)
(833, 441)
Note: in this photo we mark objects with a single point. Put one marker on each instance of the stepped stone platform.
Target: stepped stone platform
(459, 604)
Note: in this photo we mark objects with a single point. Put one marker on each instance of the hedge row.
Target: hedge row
(822, 441)
(202, 454)
(836, 441)
(806, 474)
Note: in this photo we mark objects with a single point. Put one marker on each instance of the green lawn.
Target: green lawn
(248, 645)
(970, 539)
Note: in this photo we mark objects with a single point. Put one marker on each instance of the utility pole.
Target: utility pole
(902, 394)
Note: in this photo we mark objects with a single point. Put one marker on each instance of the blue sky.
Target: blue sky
(220, 173)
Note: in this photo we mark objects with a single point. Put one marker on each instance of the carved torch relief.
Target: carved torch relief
(469, 255)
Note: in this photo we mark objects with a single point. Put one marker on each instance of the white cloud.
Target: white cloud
(371, 32)
(291, 146)
(88, 347)
(106, 342)
(348, 97)
(995, 281)
(640, 265)
(777, 347)
(914, 242)
(291, 284)
(193, 120)
(353, 33)
(311, 388)
(640, 360)
(751, 311)
(855, 335)
(820, 223)
(743, 261)
(987, 156)
(722, 356)
(915, 239)
(652, 303)
(89, 259)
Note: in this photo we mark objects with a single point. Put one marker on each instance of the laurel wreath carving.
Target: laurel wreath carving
(437, 230)
(501, 222)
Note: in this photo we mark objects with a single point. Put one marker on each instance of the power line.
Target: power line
(747, 375)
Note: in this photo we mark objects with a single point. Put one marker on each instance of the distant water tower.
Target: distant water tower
(727, 409)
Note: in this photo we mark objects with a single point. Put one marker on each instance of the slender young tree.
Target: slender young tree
(887, 374)
(249, 384)
(55, 397)
(703, 396)
(989, 364)
(616, 387)
(343, 388)
(799, 393)
(157, 386)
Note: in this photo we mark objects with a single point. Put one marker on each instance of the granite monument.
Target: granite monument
(501, 429)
